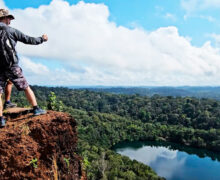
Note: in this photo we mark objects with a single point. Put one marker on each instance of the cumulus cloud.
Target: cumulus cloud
(33, 68)
(94, 50)
(216, 38)
(40, 74)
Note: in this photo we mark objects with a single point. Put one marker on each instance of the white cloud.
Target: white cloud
(170, 16)
(2, 4)
(40, 74)
(33, 68)
(216, 38)
(94, 50)
(209, 18)
(198, 5)
(194, 8)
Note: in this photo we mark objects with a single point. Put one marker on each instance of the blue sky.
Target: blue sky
(121, 42)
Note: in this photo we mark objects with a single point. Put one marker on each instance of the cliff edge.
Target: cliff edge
(39, 147)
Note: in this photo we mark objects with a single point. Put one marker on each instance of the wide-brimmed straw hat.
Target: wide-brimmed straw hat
(5, 13)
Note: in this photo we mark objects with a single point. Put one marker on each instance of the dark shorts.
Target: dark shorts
(15, 75)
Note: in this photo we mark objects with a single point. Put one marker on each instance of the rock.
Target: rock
(15, 112)
(39, 147)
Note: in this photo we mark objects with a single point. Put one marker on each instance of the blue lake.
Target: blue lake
(172, 161)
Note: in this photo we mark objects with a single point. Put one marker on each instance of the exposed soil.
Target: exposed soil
(50, 140)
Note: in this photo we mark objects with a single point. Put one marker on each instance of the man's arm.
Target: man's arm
(19, 36)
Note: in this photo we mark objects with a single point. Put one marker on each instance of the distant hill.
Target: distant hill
(199, 92)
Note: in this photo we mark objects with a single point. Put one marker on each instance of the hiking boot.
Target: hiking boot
(9, 105)
(38, 111)
(2, 122)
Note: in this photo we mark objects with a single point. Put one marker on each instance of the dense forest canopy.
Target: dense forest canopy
(182, 91)
(186, 111)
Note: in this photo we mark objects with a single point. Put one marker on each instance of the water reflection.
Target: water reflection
(168, 168)
(171, 146)
(157, 157)
(171, 163)
(148, 154)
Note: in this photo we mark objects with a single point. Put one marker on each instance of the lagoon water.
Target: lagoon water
(172, 161)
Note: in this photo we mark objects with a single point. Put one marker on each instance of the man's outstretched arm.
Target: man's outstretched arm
(19, 36)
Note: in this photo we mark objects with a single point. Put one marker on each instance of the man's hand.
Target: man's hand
(45, 38)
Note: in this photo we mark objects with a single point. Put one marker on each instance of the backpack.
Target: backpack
(7, 51)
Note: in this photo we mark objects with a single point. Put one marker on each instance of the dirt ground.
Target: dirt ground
(39, 147)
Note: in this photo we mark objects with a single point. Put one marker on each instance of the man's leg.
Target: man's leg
(2, 120)
(1, 109)
(32, 100)
(8, 89)
(30, 96)
(2, 85)
(16, 76)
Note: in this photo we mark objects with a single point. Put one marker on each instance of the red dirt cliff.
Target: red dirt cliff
(41, 147)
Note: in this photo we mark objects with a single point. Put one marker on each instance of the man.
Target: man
(14, 72)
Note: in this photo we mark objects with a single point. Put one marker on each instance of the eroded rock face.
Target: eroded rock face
(41, 147)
